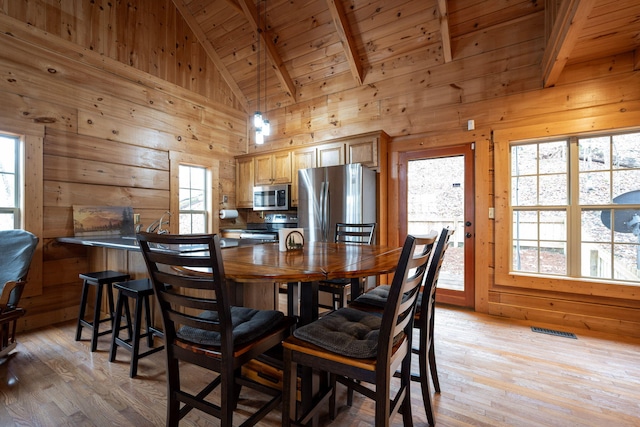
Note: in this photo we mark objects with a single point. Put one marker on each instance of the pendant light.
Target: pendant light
(262, 126)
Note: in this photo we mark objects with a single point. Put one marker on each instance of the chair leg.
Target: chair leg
(289, 387)
(405, 382)
(333, 411)
(433, 367)
(424, 383)
(173, 387)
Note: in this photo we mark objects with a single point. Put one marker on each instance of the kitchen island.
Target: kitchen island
(123, 254)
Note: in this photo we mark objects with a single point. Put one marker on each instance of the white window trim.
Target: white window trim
(212, 166)
(32, 209)
(504, 277)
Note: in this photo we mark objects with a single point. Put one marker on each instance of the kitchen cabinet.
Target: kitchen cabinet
(301, 159)
(281, 166)
(274, 168)
(364, 150)
(331, 154)
(244, 182)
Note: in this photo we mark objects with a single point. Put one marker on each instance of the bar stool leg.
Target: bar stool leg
(83, 305)
(116, 327)
(96, 318)
(135, 345)
(147, 318)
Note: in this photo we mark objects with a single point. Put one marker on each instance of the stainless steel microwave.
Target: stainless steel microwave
(271, 197)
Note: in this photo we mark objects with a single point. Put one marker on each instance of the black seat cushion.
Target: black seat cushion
(346, 331)
(248, 324)
(376, 297)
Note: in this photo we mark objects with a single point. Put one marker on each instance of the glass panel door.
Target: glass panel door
(439, 193)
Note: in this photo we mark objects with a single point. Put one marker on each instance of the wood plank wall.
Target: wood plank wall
(115, 87)
(134, 93)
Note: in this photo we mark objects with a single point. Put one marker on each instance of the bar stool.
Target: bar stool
(101, 280)
(140, 291)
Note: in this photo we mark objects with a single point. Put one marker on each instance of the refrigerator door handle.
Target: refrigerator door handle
(324, 206)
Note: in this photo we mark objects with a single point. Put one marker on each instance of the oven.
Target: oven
(268, 230)
(271, 197)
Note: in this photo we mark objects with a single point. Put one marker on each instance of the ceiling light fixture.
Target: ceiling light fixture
(262, 125)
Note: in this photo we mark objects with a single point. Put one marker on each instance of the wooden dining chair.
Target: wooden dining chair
(202, 328)
(424, 321)
(339, 288)
(357, 347)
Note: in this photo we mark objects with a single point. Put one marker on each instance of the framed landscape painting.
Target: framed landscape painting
(107, 221)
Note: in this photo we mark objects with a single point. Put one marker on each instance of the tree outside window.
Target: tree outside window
(575, 206)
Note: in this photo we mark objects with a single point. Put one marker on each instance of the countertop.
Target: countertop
(130, 243)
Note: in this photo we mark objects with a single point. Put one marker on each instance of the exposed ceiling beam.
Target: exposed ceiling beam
(211, 52)
(234, 4)
(346, 38)
(443, 15)
(251, 13)
(572, 15)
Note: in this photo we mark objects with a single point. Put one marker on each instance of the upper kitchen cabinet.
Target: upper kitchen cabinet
(367, 149)
(273, 168)
(331, 154)
(244, 182)
(303, 158)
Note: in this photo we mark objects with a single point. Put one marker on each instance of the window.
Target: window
(575, 205)
(10, 180)
(193, 199)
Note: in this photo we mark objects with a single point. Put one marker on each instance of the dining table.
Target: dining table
(302, 269)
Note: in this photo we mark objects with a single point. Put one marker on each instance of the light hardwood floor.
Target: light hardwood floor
(493, 372)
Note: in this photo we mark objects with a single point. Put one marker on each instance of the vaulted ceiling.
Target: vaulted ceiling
(304, 48)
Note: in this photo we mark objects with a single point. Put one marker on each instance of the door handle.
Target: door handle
(468, 235)
(468, 223)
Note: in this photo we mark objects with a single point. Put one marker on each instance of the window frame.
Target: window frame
(33, 215)
(504, 276)
(212, 167)
(207, 202)
(18, 171)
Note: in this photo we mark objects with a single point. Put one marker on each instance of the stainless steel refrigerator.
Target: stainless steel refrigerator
(334, 194)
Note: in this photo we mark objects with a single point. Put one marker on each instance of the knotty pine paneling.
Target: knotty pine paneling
(108, 126)
(65, 144)
(127, 32)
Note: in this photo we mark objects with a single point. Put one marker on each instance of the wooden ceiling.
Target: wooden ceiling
(308, 48)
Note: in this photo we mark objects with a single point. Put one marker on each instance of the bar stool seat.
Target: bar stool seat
(139, 291)
(101, 280)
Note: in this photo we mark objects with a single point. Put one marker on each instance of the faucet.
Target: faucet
(156, 226)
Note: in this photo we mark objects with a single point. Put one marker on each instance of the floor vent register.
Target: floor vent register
(554, 332)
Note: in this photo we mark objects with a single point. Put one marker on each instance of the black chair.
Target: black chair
(202, 328)
(16, 251)
(357, 347)
(424, 320)
(339, 288)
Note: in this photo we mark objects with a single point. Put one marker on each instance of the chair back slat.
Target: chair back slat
(431, 282)
(397, 318)
(183, 294)
(355, 233)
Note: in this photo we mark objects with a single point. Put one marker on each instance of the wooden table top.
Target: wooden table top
(316, 261)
